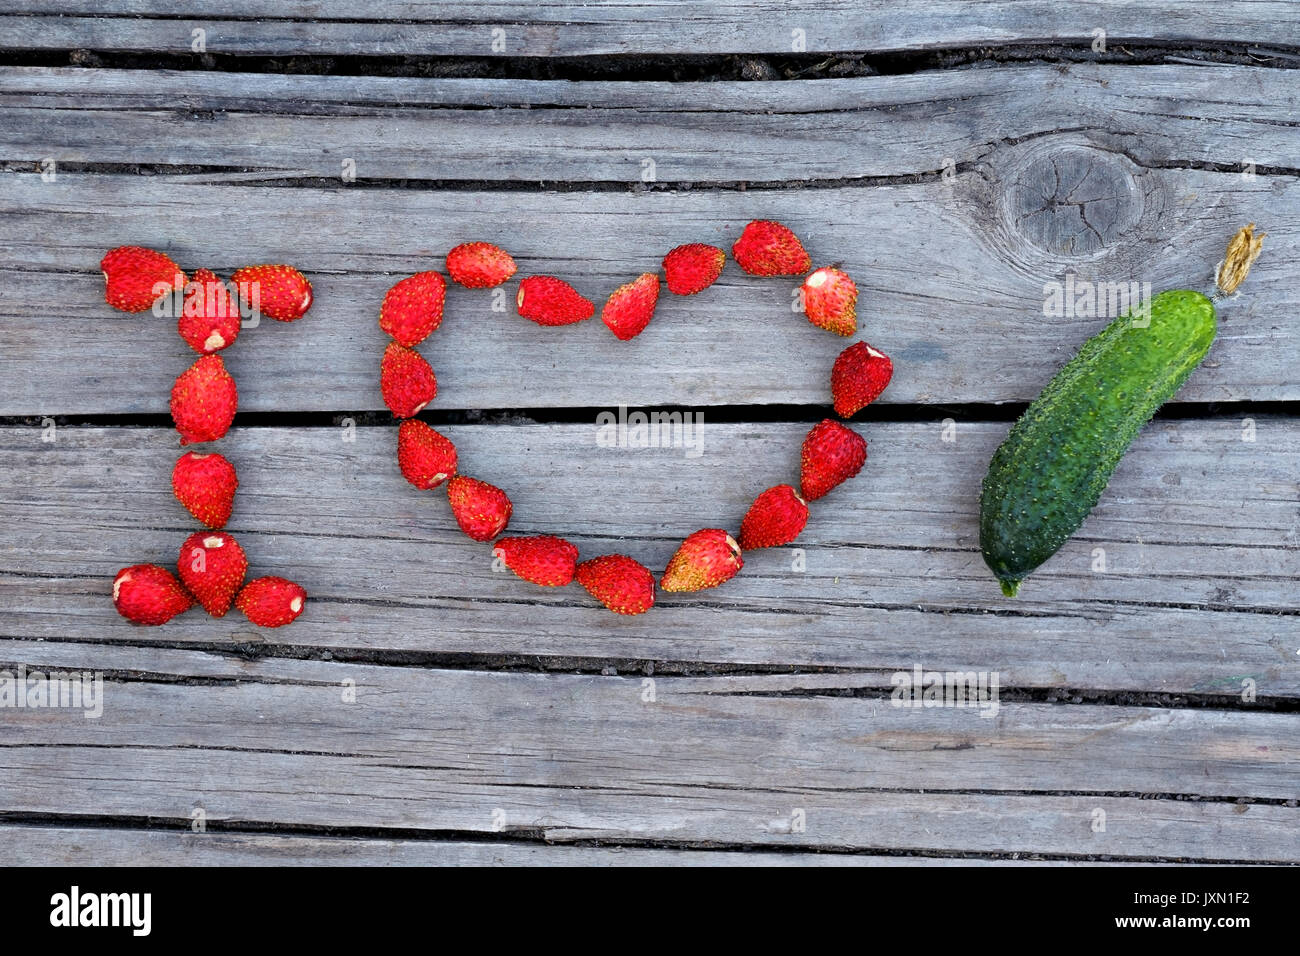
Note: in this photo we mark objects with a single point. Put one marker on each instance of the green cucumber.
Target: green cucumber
(1054, 465)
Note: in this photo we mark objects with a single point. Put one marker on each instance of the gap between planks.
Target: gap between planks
(529, 30)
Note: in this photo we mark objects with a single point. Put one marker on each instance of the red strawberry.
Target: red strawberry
(831, 454)
(776, 518)
(481, 510)
(204, 399)
(209, 319)
(858, 377)
(212, 565)
(406, 380)
(271, 601)
(621, 584)
(705, 559)
(148, 594)
(479, 265)
(629, 308)
(770, 249)
(830, 300)
(426, 458)
(276, 291)
(412, 308)
(135, 278)
(544, 559)
(551, 301)
(693, 268)
(205, 484)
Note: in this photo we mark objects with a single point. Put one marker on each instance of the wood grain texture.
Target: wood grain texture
(946, 288)
(1199, 530)
(119, 846)
(729, 760)
(699, 133)
(554, 29)
(950, 269)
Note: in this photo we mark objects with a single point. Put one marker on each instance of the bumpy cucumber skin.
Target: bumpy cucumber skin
(1054, 465)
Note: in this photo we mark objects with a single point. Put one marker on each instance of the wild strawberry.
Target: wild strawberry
(858, 377)
(621, 584)
(479, 265)
(426, 458)
(705, 559)
(544, 559)
(776, 518)
(831, 454)
(276, 291)
(205, 484)
(551, 301)
(148, 594)
(830, 300)
(770, 249)
(271, 601)
(135, 278)
(481, 510)
(209, 319)
(212, 566)
(204, 399)
(406, 380)
(693, 268)
(629, 308)
(412, 308)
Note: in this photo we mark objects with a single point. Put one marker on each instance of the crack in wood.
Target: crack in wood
(555, 837)
(883, 412)
(628, 669)
(335, 184)
(651, 67)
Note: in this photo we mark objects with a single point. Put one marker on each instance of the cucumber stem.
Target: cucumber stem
(1243, 249)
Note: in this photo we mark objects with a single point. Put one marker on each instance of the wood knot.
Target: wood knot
(1072, 200)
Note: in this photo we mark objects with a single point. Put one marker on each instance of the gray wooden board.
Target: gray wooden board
(51, 845)
(1199, 533)
(957, 302)
(554, 29)
(951, 270)
(720, 760)
(525, 131)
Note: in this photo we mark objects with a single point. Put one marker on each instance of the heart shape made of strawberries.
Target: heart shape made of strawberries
(832, 453)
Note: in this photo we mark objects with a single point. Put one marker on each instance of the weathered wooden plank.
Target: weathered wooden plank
(1199, 533)
(726, 760)
(759, 123)
(49, 845)
(554, 29)
(946, 288)
(477, 130)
